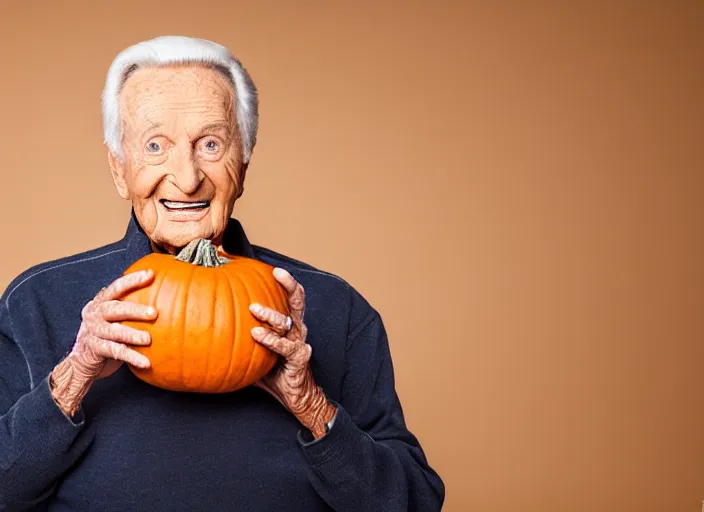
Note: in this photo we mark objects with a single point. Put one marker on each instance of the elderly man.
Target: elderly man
(78, 431)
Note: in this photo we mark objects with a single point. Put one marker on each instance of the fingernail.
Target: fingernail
(258, 331)
(151, 311)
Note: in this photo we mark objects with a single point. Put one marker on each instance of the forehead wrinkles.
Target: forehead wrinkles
(151, 94)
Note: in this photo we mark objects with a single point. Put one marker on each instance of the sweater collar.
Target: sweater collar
(234, 241)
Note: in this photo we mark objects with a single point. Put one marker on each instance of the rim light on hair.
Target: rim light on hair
(175, 50)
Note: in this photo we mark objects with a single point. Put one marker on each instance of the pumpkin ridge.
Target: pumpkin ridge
(210, 338)
(158, 288)
(254, 342)
(265, 287)
(235, 309)
(262, 281)
(282, 296)
(154, 301)
(184, 341)
(179, 292)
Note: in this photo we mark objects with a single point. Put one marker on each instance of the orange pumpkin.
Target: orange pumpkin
(201, 339)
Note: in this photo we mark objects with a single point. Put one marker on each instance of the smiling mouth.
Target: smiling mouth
(191, 206)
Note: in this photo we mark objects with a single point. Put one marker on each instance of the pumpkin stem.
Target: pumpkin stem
(201, 252)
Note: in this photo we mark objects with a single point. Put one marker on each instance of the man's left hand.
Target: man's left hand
(291, 381)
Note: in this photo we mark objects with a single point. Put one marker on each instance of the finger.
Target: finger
(118, 311)
(300, 357)
(297, 304)
(282, 346)
(126, 283)
(286, 279)
(121, 334)
(277, 321)
(296, 294)
(120, 352)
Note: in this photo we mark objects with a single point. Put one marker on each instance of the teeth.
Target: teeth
(177, 205)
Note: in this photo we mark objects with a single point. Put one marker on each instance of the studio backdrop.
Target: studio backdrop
(515, 186)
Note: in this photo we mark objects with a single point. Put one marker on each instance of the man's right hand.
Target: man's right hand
(102, 343)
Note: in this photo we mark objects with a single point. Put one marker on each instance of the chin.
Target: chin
(180, 236)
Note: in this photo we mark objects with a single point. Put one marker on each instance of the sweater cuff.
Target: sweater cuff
(37, 444)
(48, 409)
(335, 446)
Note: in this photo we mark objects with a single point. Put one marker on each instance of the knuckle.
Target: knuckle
(132, 310)
(106, 331)
(122, 334)
(140, 337)
(87, 309)
(128, 336)
(289, 349)
(121, 283)
(298, 296)
(92, 356)
(105, 308)
(98, 347)
(140, 276)
(118, 351)
(128, 308)
(97, 329)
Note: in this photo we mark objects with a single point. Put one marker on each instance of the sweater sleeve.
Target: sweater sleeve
(369, 460)
(38, 443)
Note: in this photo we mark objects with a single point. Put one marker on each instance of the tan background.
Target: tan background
(516, 186)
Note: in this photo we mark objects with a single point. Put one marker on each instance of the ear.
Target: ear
(243, 174)
(118, 175)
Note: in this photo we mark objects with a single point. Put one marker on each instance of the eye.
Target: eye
(153, 147)
(211, 146)
(157, 146)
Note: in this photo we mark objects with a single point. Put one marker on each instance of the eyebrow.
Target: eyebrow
(151, 128)
(214, 127)
(209, 128)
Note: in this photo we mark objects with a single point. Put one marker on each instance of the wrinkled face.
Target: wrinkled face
(182, 166)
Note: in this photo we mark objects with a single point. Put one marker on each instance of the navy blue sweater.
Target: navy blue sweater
(134, 447)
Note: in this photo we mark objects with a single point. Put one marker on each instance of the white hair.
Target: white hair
(175, 50)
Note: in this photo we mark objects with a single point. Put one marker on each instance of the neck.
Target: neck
(157, 248)
(174, 250)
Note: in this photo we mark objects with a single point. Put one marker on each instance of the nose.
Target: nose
(187, 175)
